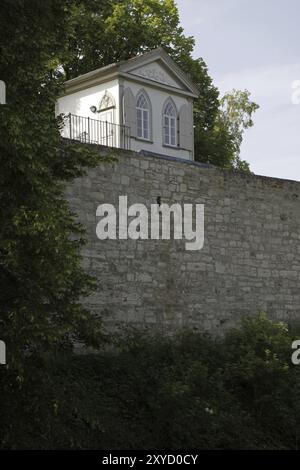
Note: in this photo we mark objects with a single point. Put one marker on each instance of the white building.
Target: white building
(142, 104)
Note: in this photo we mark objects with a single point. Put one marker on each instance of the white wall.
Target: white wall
(158, 98)
(79, 103)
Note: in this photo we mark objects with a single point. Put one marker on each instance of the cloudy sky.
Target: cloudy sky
(255, 44)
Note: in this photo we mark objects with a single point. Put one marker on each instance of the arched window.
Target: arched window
(143, 116)
(169, 123)
(107, 101)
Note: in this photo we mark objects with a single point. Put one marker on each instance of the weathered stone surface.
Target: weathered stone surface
(251, 255)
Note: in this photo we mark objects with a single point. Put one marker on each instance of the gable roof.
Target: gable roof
(168, 75)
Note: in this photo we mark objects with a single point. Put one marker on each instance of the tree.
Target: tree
(41, 279)
(235, 116)
(107, 31)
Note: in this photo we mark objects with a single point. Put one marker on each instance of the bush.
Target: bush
(187, 391)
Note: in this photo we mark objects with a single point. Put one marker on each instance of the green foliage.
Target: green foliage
(103, 32)
(41, 281)
(187, 391)
(236, 115)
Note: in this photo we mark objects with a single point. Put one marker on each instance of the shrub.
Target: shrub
(186, 391)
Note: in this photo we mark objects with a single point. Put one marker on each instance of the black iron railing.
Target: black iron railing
(94, 131)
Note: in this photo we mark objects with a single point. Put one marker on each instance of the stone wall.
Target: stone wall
(250, 261)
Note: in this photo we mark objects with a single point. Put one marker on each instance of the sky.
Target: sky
(255, 45)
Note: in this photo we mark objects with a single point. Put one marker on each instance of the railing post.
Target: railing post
(88, 136)
(106, 132)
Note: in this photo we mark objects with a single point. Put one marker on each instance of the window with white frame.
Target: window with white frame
(143, 116)
(169, 124)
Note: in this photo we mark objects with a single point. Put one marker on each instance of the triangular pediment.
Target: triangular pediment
(157, 73)
(156, 66)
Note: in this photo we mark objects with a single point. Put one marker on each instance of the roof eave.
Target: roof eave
(123, 68)
(87, 81)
